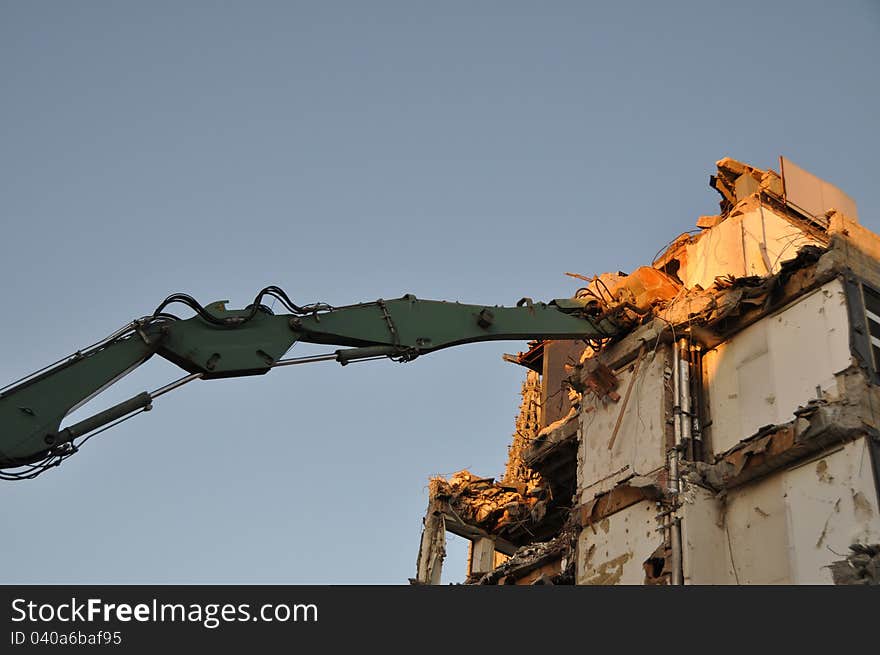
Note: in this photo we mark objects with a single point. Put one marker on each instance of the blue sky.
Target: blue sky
(348, 151)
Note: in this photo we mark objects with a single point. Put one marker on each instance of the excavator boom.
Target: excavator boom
(221, 343)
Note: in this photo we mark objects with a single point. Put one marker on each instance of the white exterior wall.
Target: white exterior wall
(832, 503)
(613, 551)
(764, 373)
(639, 447)
(740, 541)
(785, 528)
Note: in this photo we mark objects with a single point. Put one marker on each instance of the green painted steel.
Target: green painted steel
(411, 327)
(31, 413)
(220, 351)
(428, 325)
(243, 342)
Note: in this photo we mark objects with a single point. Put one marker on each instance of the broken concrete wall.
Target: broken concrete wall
(752, 240)
(855, 247)
(626, 438)
(760, 425)
(832, 503)
(786, 528)
(432, 549)
(615, 549)
(764, 373)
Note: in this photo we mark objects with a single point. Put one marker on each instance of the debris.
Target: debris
(860, 567)
(630, 473)
(601, 381)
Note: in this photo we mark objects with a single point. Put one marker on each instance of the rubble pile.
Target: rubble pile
(486, 504)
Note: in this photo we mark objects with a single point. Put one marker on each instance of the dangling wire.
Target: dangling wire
(30, 471)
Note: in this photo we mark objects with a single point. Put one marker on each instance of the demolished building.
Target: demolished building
(728, 436)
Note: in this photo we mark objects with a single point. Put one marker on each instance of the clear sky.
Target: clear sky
(348, 151)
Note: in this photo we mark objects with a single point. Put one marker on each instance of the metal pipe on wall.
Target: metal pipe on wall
(685, 391)
(697, 411)
(673, 459)
(672, 456)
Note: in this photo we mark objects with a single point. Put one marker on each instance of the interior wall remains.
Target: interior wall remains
(622, 439)
(754, 242)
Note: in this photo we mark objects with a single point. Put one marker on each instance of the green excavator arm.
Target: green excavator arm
(221, 343)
